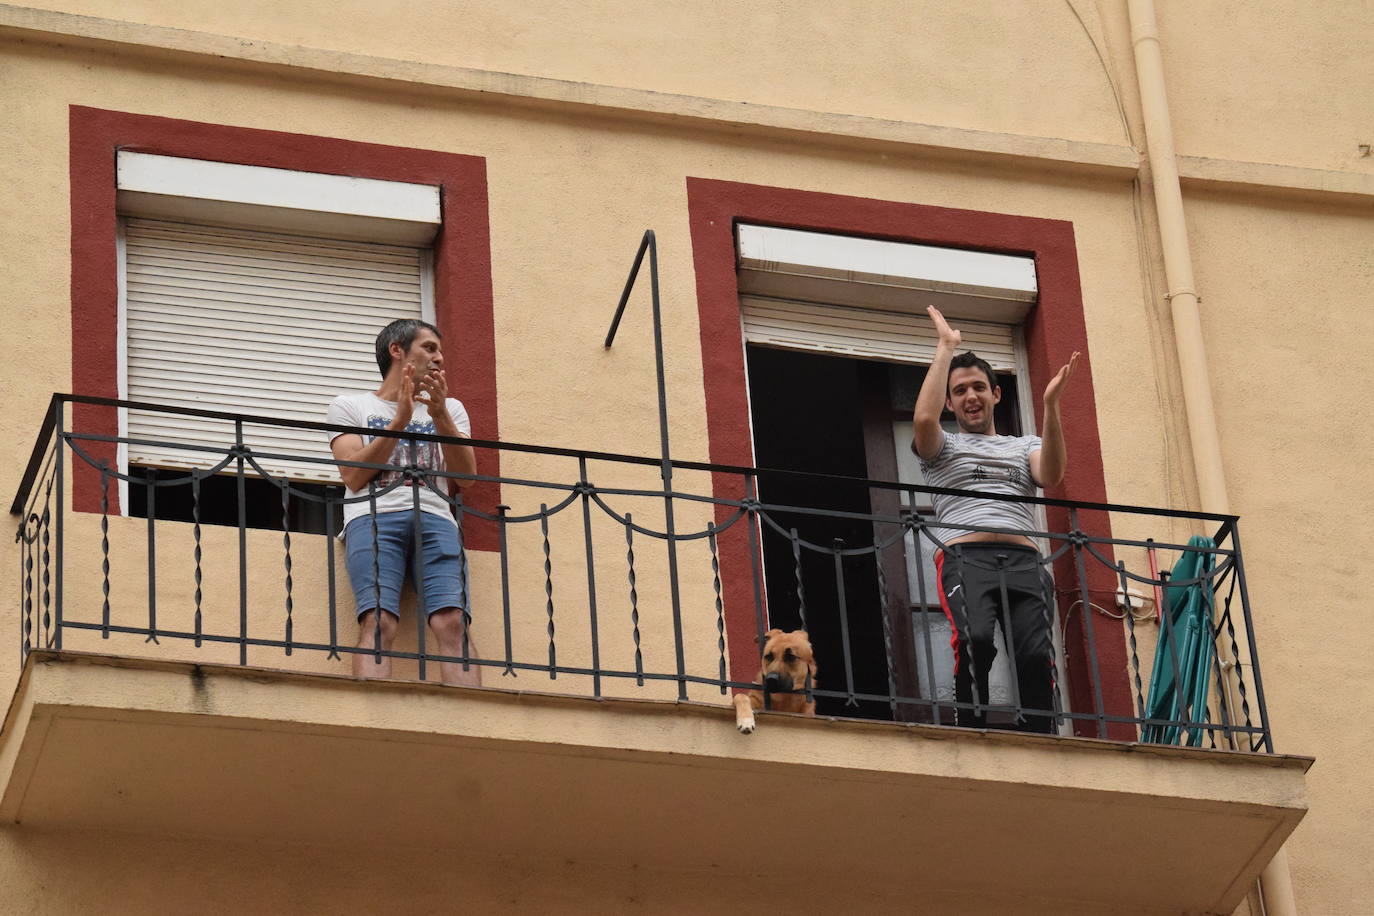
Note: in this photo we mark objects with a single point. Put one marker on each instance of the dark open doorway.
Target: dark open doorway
(828, 414)
(805, 419)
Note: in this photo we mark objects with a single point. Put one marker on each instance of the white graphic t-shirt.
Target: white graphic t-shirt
(368, 410)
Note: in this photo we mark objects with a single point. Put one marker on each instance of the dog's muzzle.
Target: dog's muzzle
(776, 683)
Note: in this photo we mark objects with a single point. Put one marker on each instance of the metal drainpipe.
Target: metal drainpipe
(1276, 884)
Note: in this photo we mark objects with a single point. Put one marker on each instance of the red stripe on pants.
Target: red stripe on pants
(944, 606)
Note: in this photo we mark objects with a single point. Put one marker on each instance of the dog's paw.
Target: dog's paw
(746, 726)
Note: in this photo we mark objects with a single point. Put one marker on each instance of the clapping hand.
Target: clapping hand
(432, 390)
(405, 401)
(1055, 389)
(948, 336)
(433, 393)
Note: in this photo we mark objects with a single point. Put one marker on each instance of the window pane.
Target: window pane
(934, 627)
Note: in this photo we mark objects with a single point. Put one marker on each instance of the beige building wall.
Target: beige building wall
(1037, 112)
(1284, 288)
(65, 874)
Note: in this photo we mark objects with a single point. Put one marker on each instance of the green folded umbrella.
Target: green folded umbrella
(1178, 691)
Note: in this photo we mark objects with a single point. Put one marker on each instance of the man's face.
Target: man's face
(425, 354)
(971, 397)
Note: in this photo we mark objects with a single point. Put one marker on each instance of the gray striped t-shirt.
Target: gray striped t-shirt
(992, 464)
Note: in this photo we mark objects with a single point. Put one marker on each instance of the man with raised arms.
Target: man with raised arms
(978, 568)
(413, 398)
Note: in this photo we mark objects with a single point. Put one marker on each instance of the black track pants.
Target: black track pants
(985, 585)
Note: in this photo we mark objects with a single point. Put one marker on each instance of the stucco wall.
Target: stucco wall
(77, 873)
(1288, 333)
(1282, 284)
(1288, 85)
(1014, 67)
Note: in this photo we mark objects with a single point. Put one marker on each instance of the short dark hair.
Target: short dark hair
(970, 360)
(402, 331)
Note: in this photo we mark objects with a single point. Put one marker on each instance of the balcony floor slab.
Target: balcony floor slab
(173, 749)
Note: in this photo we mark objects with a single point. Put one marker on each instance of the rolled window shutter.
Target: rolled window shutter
(866, 333)
(253, 322)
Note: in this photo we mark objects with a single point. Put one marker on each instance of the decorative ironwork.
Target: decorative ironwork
(634, 598)
(1229, 623)
(548, 589)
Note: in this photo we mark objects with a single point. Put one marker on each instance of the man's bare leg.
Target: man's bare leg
(367, 664)
(448, 626)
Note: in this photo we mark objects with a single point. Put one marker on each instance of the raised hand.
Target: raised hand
(1055, 389)
(948, 336)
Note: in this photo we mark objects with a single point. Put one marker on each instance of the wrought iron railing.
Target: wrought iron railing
(598, 590)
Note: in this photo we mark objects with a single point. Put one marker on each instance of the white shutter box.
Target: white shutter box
(253, 322)
(866, 333)
(866, 298)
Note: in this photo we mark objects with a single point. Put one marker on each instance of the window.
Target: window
(1051, 331)
(255, 290)
(836, 344)
(297, 180)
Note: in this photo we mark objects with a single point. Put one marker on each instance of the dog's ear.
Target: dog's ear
(773, 632)
(803, 634)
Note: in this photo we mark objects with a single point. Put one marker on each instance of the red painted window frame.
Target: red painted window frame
(462, 257)
(1053, 330)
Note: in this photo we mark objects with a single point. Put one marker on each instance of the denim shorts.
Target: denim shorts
(443, 568)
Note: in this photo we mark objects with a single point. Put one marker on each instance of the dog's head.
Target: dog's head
(787, 660)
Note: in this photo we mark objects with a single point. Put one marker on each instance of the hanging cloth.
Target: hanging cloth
(1181, 677)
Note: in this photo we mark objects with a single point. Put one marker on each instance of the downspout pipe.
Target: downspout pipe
(1276, 883)
(1178, 262)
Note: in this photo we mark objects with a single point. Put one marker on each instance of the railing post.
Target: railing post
(751, 500)
(376, 572)
(332, 588)
(591, 573)
(26, 553)
(837, 551)
(1009, 641)
(1076, 534)
(670, 527)
(464, 584)
(286, 561)
(916, 525)
(884, 613)
(1250, 640)
(1218, 672)
(720, 605)
(242, 496)
(1135, 656)
(58, 474)
(501, 512)
(798, 579)
(416, 480)
(151, 484)
(197, 554)
(649, 242)
(551, 629)
(634, 597)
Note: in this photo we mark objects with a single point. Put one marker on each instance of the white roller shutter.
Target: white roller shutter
(254, 322)
(866, 333)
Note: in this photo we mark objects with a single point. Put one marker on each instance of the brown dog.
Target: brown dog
(787, 660)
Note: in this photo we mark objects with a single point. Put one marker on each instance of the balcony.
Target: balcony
(191, 678)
